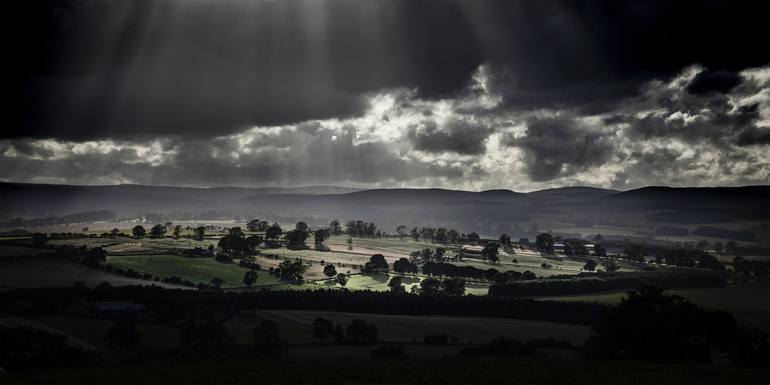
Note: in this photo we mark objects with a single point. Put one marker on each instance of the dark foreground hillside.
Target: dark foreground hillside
(437, 370)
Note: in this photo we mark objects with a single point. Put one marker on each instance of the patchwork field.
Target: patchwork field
(192, 269)
(392, 244)
(52, 272)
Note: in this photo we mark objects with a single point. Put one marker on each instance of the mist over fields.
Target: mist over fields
(647, 211)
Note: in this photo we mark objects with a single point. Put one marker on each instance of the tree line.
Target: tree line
(181, 304)
(591, 283)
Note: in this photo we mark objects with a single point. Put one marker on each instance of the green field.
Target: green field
(747, 303)
(296, 328)
(394, 244)
(192, 269)
(466, 329)
(317, 256)
(93, 331)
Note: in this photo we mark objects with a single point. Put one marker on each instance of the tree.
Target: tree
(430, 286)
(217, 282)
(402, 231)
(302, 226)
(253, 225)
(320, 236)
(731, 246)
(719, 247)
(415, 233)
(590, 265)
(200, 233)
(528, 275)
(114, 233)
(505, 241)
(123, 333)
(177, 231)
(253, 241)
(249, 278)
(359, 331)
(236, 231)
(290, 270)
(342, 279)
(322, 329)
(335, 227)
(339, 334)
(453, 286)
(296, 238)
(330, 271)
(473, 238)
(702, 244)
(404, 266)
(138, 231)
(424, 255)
(600, 251)
(452, 236)
(440, 235)
(490, 252)
(273, 232)
(267, 339)
(544, 243)
(157, 231)
(610, 265)
(234, 244)
(396, 286)
(94, 257)
(376, 264)
(649, 325)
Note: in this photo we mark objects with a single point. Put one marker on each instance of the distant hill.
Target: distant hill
(490, 212)
(688, 197)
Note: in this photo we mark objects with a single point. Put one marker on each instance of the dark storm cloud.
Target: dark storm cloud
(714, 81)
(711, 114)
(457, 136)
(754, 136)
(254, 159)
(92, 69)
(556, 147)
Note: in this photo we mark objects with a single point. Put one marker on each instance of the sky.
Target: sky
(473, 95)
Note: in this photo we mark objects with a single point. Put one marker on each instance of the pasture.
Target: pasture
(54, 272)
(296, 327)
(192, 269)
(401, 328)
